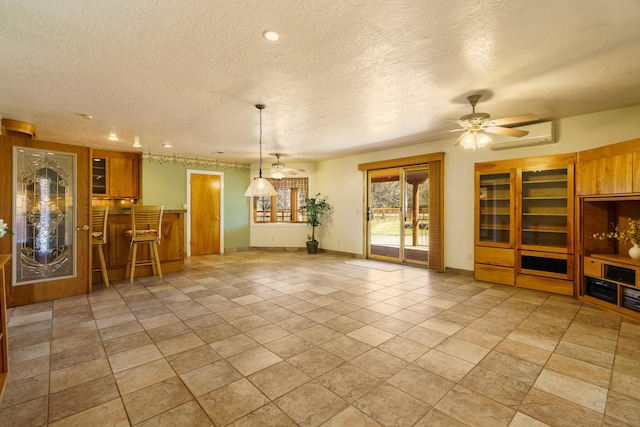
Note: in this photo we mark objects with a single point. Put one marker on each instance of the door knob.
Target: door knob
(84, 228)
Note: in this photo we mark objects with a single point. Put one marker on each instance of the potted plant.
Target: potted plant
(315, 208)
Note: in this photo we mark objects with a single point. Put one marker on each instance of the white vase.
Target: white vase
(634, 252)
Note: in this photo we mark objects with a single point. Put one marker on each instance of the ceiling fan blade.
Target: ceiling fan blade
(506, 131)
(523, 118)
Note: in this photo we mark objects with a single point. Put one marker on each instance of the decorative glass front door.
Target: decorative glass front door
(44, 216)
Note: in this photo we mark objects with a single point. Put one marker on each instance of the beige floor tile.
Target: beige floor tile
(187, 414)
(523, 420)
(379, 364)
(318, 334)
(586, 354)
(192, 359)
(315, 362)
(289, 346)
(390, 406)
(579, 369)
(371, 335)
(437, 418)
(424, 336)
(351, 416)
(168, 331)
(21, 391)
(311, 404)
(210, 377)
(474, 409)
(423, 385)
(524, 351)
(498, 387)
(142, 376)
(110, 413)
(445, 365)
(267, 333)
(156, 399)
(553, 410)
(512, 367)
(625, 384)
(76, 399)
(463, 349)
(346, 347)
(179, 343)
(253, 360)
(349, 382)
(301, 328)
(134, 357)
(622, 408)
(581, 392)
(78, 374)
(127, 342)
(231, 402)
(278, 379)
(268, 416)
(33, 412)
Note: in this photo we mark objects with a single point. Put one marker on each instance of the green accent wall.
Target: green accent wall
(166, 184)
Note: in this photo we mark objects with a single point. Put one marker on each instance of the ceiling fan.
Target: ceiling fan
(279, 170)
(477, 125)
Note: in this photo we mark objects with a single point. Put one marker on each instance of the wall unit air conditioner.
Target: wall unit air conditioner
(539, 134)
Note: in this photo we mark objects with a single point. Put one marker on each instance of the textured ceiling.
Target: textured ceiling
(346, 77)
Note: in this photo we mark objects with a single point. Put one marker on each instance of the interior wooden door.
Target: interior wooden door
(51, 245)
(205, 214)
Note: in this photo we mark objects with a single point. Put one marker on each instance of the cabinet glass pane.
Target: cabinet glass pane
(544, 207)
(495, 208)
(99, 176)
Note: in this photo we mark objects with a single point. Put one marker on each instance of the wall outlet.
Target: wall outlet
(470, 256)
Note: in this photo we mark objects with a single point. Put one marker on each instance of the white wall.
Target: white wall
(341, 180)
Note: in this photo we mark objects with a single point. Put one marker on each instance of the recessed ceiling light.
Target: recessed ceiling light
(167, 145)
(136, 142)
(85, 116)
(113, 136)
(271, 35)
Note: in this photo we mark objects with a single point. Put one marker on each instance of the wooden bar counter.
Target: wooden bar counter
(116, 250)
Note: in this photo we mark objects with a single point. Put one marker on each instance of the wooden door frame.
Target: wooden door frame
(57, 288)
(188, 215)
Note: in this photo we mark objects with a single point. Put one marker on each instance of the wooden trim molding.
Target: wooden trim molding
(403, 161)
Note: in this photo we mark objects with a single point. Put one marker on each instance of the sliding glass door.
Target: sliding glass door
(398, 214)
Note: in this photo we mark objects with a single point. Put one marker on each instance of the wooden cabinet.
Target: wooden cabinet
(612, 281)
(115, 175)
(524, 223)
(613, 169)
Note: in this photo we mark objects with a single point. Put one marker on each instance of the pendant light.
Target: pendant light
(260, 186)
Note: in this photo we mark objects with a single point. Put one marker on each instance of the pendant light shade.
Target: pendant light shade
(260, 186)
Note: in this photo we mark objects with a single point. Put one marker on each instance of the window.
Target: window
(283, 207)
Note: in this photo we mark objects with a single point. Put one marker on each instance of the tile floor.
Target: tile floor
(285, 339)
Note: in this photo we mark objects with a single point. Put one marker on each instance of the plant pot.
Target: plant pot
(312, 247)
(634, 252)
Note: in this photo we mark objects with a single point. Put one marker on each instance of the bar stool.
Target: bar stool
(99, 216)
(145, 228)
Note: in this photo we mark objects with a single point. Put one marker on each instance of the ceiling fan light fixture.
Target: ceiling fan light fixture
(260, 186)
(475, 139)
(277, 175)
